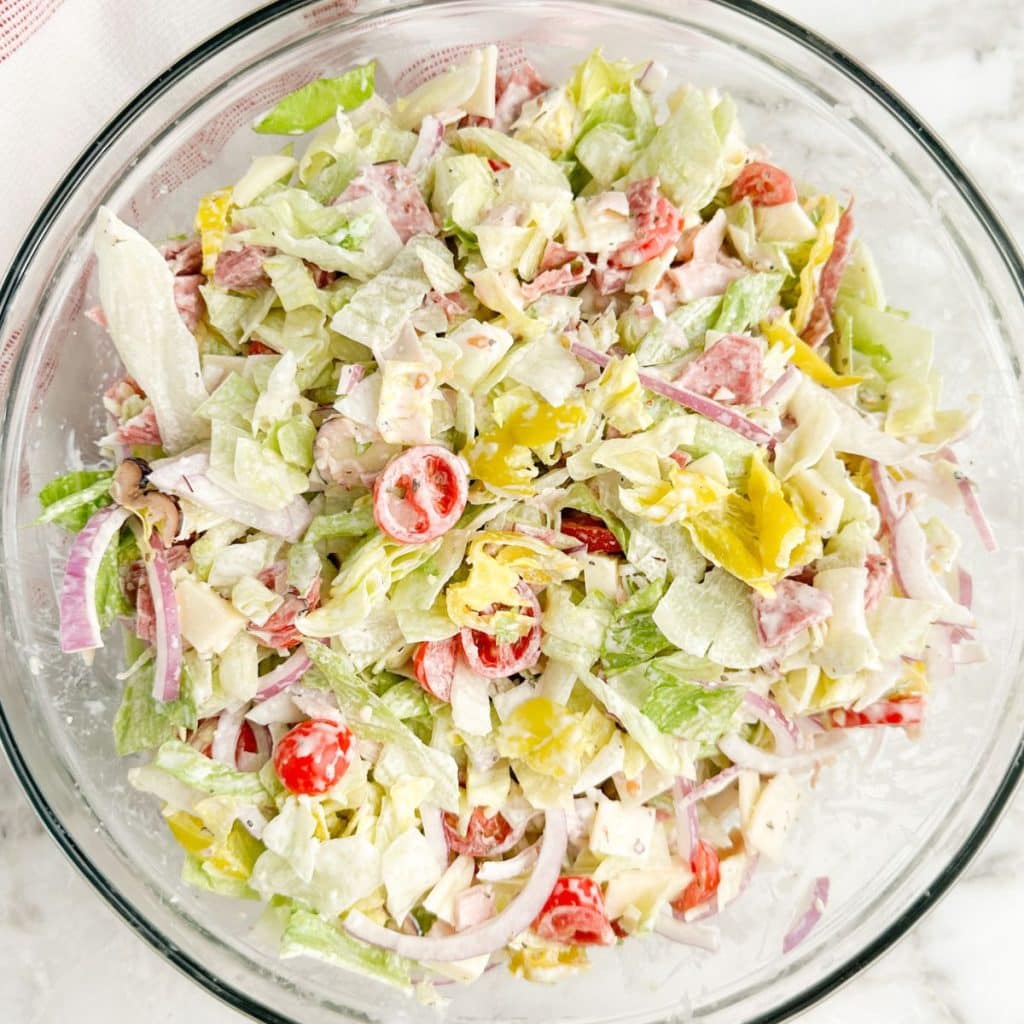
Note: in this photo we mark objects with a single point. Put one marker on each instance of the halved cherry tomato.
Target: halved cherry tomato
(488, 657)
(433, 664)
(574, 914)
(658, 225)
(706, 876)
(313, 756)
(482, 836)
(421, 494)
(895, 711)
(764, 184)
(590, 531)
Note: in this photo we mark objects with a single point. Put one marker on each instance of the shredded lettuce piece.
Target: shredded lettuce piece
(367, 715)
(71, 499)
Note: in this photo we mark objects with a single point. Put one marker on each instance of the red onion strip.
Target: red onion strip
(969, 493)
(687, 934)
(746, 755)
(811, 915)
(79, 619)
(778, 389)
(965, 587)
(910, 562)
(225, 737)
(167, 660)
(427, 144)
(351, 374)
(553, 538)
(710, 787)
(787, 735)
(687, 825)
(253, 761)
(890, 504)
(502, 870)
(287, 673)
(705, 407)
(495, 933)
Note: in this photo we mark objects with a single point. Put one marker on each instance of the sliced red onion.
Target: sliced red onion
(746, 755)
(187, 476)
(433, 829)
(891, 505)
(811, 915)
(964, 588)
(167, 660)
(910, 562)
(225, 736)
(687, 824)
(428, 143)
(517, 833)
(502, 870)
(938, 656)
(687, 934)
(787, 735)
(779, 391)
(351, 374)
(562, 541)
(253, 761)
(705, 407)
(285, 675)
(969, 493)
(708, 788)
(79, 619)
(496, 933)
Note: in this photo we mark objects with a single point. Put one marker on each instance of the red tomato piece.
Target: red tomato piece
(764, 184)
(483, 834)
(574, 914)
(421, 494)
(894, 711)
(313, 756)
(706, 876)
(204, 732)
(433, 664)
(257, 348)
(494, 660)
(591, 532)
(658, 225)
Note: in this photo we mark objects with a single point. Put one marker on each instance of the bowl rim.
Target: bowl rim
(840, 61)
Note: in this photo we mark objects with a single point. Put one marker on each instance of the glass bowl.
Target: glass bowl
(893, 823)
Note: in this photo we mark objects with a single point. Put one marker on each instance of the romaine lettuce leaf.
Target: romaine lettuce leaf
(304, 109)
(690, 710)
(189, 766)
(747, 301)
(308, 934)
(632, 636)
(142, 722)
(71, 499)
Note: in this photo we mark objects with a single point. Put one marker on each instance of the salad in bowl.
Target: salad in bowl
(514, 496)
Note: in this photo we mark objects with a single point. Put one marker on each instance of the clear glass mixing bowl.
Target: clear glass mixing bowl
(893, 824)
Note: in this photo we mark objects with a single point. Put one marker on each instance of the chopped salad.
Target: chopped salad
(515, 492)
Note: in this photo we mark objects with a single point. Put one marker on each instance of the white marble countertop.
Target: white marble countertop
(63, 953)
